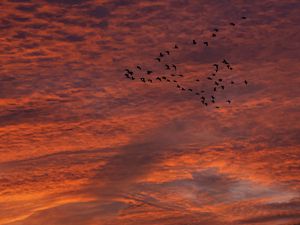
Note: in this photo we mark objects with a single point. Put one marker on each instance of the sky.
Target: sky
(83, 145)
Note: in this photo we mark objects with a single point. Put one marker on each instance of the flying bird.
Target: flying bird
(168, 80)
(222, 87)
(232, 24)
(174, 66)
(190, 89)
(167, 66)
(229, 101)
(216, 29)
(213, 35)
(138, 67)
(217, 107)
(175, 81)
(158, 59)
(158, 78)
(225, 62)
(180, 75)
(216, 83)
(127, 75)
(149, 72)
(215, 89)
(244, 17)
(220, 80)
(143, 79)
(161, 55)
(183, 89)
(205, 43)
(232, 82)
(209, 78)
(197, 80)
(176, 47)
(168, 52)
(246, 82)
(164, 77)
(194, 42)
(150, 80)
(178, 85)
(197, 93)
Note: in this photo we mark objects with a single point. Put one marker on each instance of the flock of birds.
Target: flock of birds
(206, 97)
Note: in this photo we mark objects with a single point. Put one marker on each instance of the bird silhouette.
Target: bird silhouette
(246, 82)
(183, 89)
(158, 78)
(168, 52)
(173, 75)
(190, 89)
(213, 97)
(229, 101)
(149, 72)
(232, 24)
(168, 80)
(161, 55)
(225, 62)
(216, 29)
(220, 80)
(214, 74)
(215, 89)
(205, 43)
(232, 82)
(216, 83)
(143, 79)
(213, 35)
(178, 85)
(213, 101)
(174, 66)
(158, 59)
(150, 80)
(176, 47)
(222, 87)
(244, 17)
(197, 93)
(127, 75)
(197, 80)
(163, 77)
(194, 42)
(167, 66)
(138, 67)
(217, 107)
(175, 81)
(209, 78)
(202, 91)
(180, 75)
(216, 67)
(132, 78)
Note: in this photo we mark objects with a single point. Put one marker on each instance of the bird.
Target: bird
(164, 77)
(222, 87)
(132, 78)
(215, 89)
(190, 89)
(209, 78)
(180, 75)
(205, 104)
(197, 93)
(168, 80)
(129, 71)
(216, 83)
(194, 42)
(232, 24)
(161, 55)
(217, 67)
(197, 80)
(202, 91)
(178, 85)
(150, 80)
(229, 101)
(158, 59)
(214, 74)
(138, 67)
(143, 79)
(232, 82)
(168, 52)
(213, 101)
(217, 107)
(246, 82)
(203, 97)
(127, 75)
(244, 17)
(183, 89)
(175, 81)
(158, 78)
(167, 66)
(174, 66)
(176, 47)
(213, 35)
(149, 72)
(220, 80)
(216, 29)
(173, 75)
(213, 97)
(205, 43)
(225, 62)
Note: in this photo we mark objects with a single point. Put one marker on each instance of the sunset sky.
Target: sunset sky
(83, 145)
